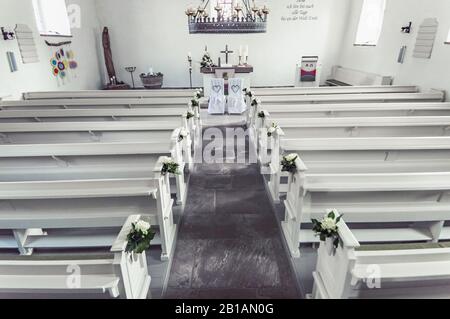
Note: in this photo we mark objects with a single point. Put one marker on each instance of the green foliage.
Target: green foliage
(195, 102)
(289, 166)
(189, 115)
(170, 167)
(325, 233)
(138, 242)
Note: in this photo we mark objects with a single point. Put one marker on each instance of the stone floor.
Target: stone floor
(229, 243)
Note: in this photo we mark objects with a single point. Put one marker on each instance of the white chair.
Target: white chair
(217, 97)
(236, 101)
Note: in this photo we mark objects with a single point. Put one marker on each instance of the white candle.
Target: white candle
(240, 50)
(246, 51)
(189, 55)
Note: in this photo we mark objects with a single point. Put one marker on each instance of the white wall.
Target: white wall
(154, 33)
(38, 76)
(433, 73)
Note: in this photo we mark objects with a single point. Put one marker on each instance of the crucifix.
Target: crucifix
(226, 52)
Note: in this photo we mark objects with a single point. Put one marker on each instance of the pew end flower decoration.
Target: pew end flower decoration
(139, 238)
(288, 163)
(248, 92)
(170, 166)
(182, 134)
(189, 115)
(327, 228)
(255, 102)
(198, 94)
(272, 129)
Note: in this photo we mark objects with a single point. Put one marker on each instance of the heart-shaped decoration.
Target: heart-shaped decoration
(235, 88)
(217, 88)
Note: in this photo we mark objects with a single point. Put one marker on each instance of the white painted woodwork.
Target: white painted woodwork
(91, 94)
(277, 91)
(114, 273)
(403, 273)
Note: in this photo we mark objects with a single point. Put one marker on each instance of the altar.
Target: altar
(239, 71)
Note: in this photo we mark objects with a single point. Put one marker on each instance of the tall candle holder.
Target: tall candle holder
(190, 71)
(131, 70)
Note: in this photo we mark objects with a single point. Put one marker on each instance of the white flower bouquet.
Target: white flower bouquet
(170, 166)
(139, 238)
(272, 129)
(328, 227)
(288, 163)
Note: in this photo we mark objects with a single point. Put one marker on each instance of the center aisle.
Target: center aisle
(229, 244)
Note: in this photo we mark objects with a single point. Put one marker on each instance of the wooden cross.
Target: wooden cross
(226, 52)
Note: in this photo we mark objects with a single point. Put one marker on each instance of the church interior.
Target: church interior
(224, 149)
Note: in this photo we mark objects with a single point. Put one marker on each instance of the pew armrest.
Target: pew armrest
(348, 239)
(120, 243)
(301, 166)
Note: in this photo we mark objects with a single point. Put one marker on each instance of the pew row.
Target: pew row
(280, 91)
(434, 96)
(117, 94)
(357, 110)
(113, 273)
(416, 203)
(371, 155)
(38, 162)
(32, 210)
(341, 76)
(104, 132)
(180, 103)
(95, 115)
(399, 271)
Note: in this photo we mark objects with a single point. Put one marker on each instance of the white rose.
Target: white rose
(272, 129)
(166, 159)
(291, 157)
(329, 224)
(184, 132)
(142, 226)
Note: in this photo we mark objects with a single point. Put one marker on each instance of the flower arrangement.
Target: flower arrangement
(189, 115)
(327, 228)
(272, 129)
(288, 163)
(198, 94)
(262, 114)
(148, 75)
(182, 134)
(207, 62)
(248, 92)
(139, 238)
(255, 102)
(170, 166)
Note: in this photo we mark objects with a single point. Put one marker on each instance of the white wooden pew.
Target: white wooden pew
(344, 76)
(114, 273)
(357, 110)
(38, 162)
(109, 103)
(434, 96)
(362, 126)
(105, 132)
(349, 127)
(372, 154)
(90, 203)
(91, 94)
(280, 91)
(382, 271)
(368, 198)
(95, 115)
(324, 103)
